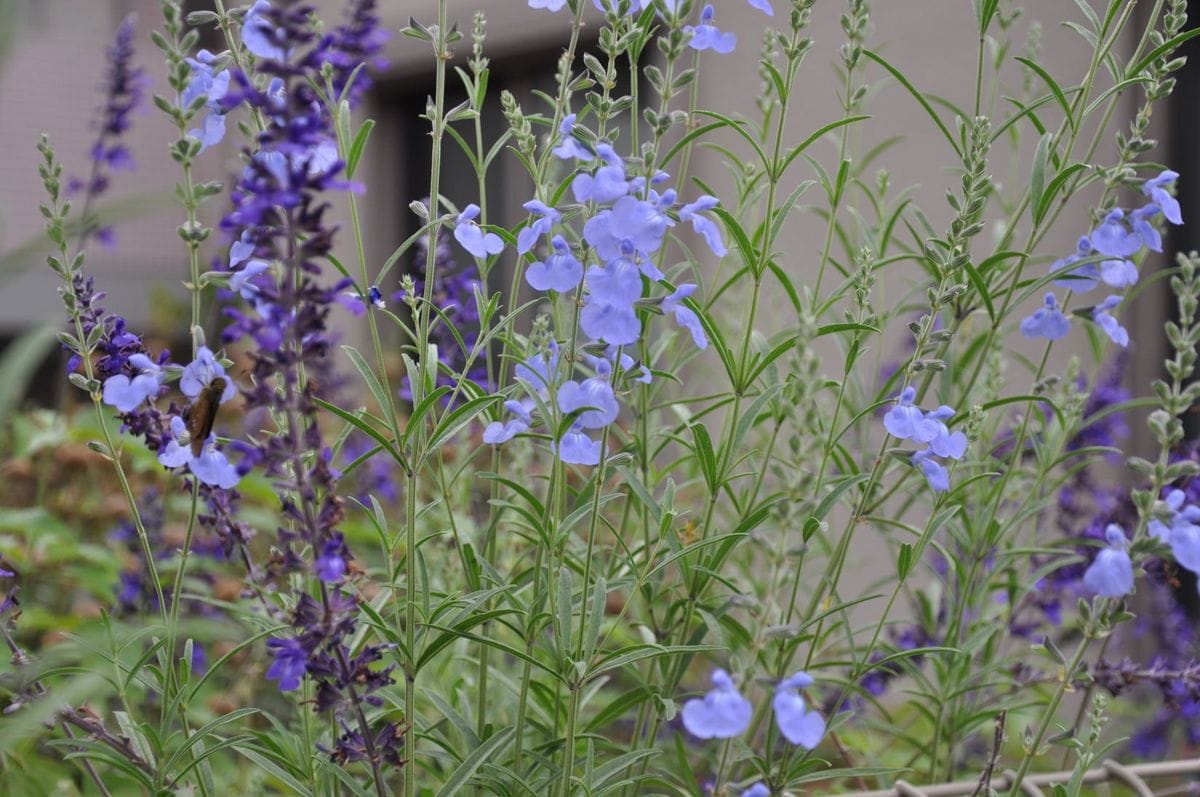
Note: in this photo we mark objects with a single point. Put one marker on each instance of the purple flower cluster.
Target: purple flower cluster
(907, 422)
(123, 88)
(625, 221)
(724, 713)
(1119, 237)
(278, 217)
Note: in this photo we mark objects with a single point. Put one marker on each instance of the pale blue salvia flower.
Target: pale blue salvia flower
(607, 185)
(684, 315)
(213, 86)
(757, 790)
(259, 37)
(241, 249)
(498, 432)
(200, 372)
(902, 420)
(576, 448)
(1185, 545)
(703, 225)
(549, 5)
(174, 454)
(1154, 188)
(240, 281)
(935, 473)
(706, 36)
(539, 370)
(1080, 279)
(941, 440)
(595, 397)
(721, 714)
(1047, 321)
(763, 6)
(1118, 273)
(631, 221)
(561, 271)
(1174, 501)
(1139, 220)
(533, 232)
(1179, 516)
(1102, 316)
(796, 722)
(570, 148)
(1113, 239)
(1111, 573)
(603, 365)
(474, 239)
(608, 314)
(126, 393)
(211, 467)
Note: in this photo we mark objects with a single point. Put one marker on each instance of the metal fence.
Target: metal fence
(1132, 777)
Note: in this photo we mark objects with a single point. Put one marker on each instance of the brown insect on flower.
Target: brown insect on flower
(200, 416)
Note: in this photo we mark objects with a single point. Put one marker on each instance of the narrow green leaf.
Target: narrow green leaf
(357, 147)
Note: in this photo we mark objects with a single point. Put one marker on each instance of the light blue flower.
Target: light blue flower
(212, 468)
(703, 225)
(608, 314)
(763, 6)
(607, 185)
(570, 148)
(241, 249)
(1154, 188)
(1142, 227)
(539, 371)
(721, 714)
(1103, 318)
(576, 448)
(1185, 545)
(257, 34)
(1082, 278)
(560, 271)
(1118, 273)
(240, 281)
(474, 239)
(935, 473)
(706, 36)
(126, 393)
(1111, 572)
(796, 722)
(204, 82)
(498, 432)
(941, 440)
(595, 397)
(174, 454)
(1046, 322)
(1113, 239)
(549, 5)
(757, 790)
(631, 221)
(200, 372)
(533, 232)
(901, 420)
(684, 315)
